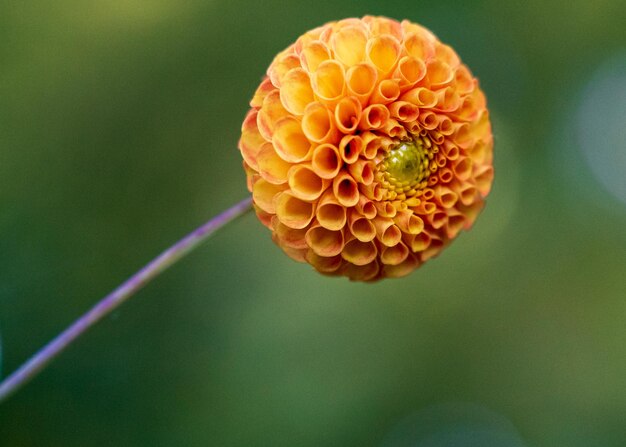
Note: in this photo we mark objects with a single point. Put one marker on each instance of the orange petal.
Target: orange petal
(402, 269)
(330, 213)
(264, 195)
(445, 197)
(421, 97)
(271, 112)
(326, 161)
(290, 142)
(408, 222)
(361, 81)
(394, 255)
(262, 91)
(463, 168)
(361, 227)
(438, 73)
(447, 100)
(283, 63)
(348, 44)
(324, 242)
(366, 207)
(293, 212)
(271, 167)
(346, 189)
(428, 120)
(318, 124)
(388, 90)
(410, 71)
(324, 264)
(313, 54)
(289, 237)
(383, 25)
(296, 93)
(328, 82)
(419, 46)
(468, 194)
(350, 147)
(446, 54)
(358, 252)
(305, 184)
(348, 114)
(383, 51)
(374, 117)
(404, 111)
(386, 231)
(394, 129)
(251, 140)
(362, 171)
(361, 272)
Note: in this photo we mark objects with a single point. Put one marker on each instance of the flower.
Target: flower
(367, 148)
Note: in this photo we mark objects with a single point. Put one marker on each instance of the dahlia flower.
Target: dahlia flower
(367, 148)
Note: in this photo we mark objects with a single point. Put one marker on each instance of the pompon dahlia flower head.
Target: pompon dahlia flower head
(367, 148)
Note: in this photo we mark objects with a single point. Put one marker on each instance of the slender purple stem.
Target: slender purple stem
(155, 267)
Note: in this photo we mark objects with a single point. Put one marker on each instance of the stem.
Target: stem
(150, 271)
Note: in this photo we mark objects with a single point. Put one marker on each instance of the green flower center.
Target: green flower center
(404, 169)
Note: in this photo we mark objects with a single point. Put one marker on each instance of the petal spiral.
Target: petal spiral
(367, 148)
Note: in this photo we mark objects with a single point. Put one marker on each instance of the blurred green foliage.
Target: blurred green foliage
(119, 121)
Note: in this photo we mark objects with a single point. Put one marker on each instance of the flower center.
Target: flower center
(404, 169)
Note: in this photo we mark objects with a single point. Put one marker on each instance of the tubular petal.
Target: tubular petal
(318, 124)
(394, 255)
(350, 147)
(305, 184)
(361, 81)
(282, 65)
(408, 222)
(418, 47)
(328, 82)
(358, 252)
(293, 212)
(348, 114)
(324, 242)
(421, 97)
(264, 195)
(289, 237)
(326, 161)
(362, 171)
(438, 73)
(383, 51)
(404, 111)
(402, 269)
(324, 264)
(251, 140)
(388, 90)
(445, 197)
(313, 54)
(271, 167)
(271, 112)
(387, 232)
(374, 117)
(296, 93)
(361, 272)
(290, 142)
(330, 213)
(366, 207)
(262, 91)
(346, 189)
(349, 45)
(410, 71)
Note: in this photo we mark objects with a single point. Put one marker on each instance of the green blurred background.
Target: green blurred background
(119, 121)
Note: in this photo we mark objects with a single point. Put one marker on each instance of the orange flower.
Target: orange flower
(368, 148)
